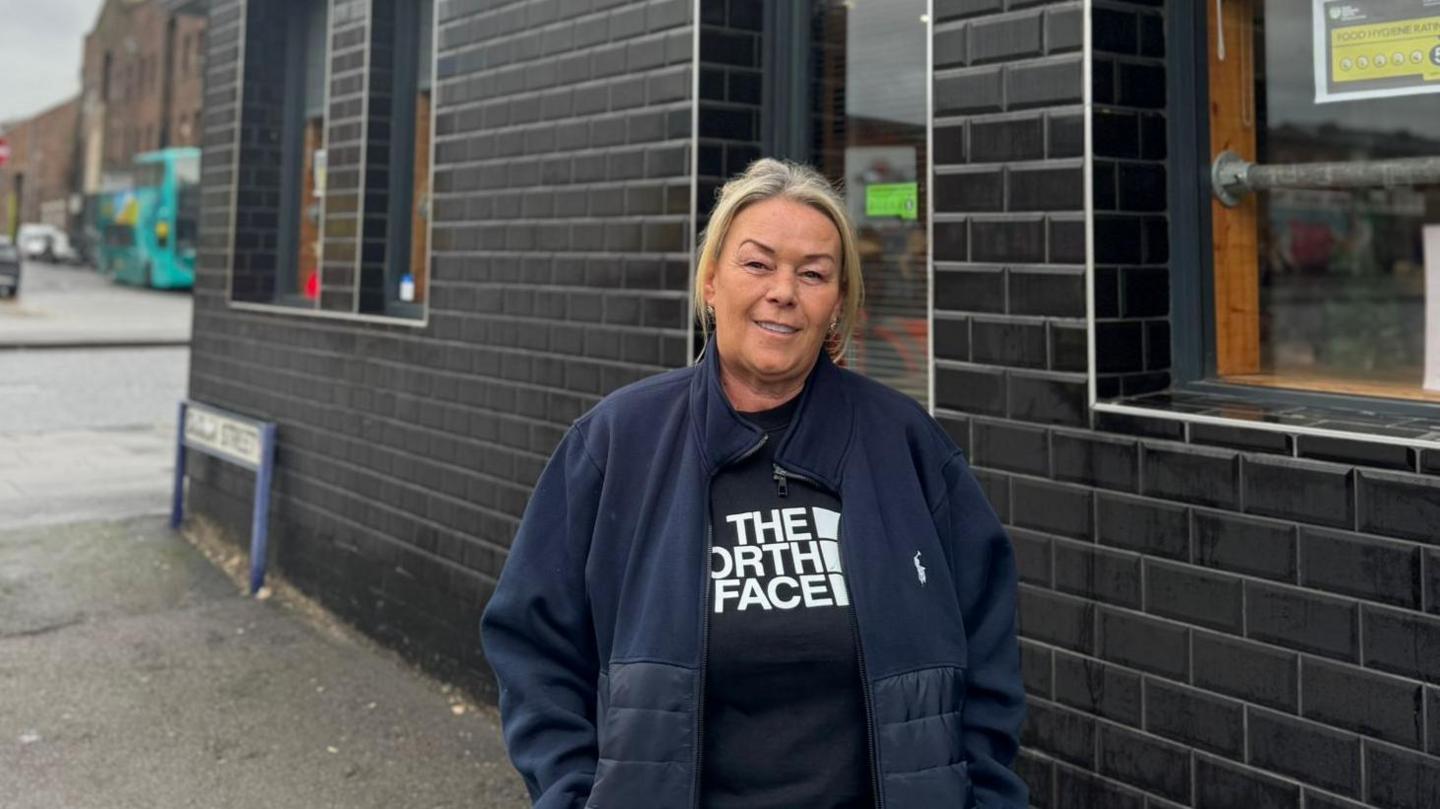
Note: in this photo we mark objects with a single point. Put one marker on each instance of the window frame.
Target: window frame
(1194, 352)
(298, 305)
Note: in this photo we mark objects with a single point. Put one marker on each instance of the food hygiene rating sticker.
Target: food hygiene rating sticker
(1376, 49)
(781, 559)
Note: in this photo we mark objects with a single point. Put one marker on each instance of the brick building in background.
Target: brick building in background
(142, 80)
(39, 180)
(1208, 428)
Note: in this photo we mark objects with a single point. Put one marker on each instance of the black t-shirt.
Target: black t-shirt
(784, 706)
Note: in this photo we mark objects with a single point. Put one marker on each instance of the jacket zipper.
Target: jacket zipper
(781, 475)
(705, 631)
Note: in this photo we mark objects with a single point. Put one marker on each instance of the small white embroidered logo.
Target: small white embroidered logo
(919, 568)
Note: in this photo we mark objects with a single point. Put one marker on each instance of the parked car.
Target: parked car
(9, 269)
(45, 243)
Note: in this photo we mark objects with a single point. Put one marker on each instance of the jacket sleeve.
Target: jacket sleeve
(539, 638)
(982, 566)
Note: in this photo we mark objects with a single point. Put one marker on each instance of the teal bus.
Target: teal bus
(145, 227)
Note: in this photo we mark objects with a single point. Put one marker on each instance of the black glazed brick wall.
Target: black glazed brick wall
(732, 56)
(1211, 616)
(560, 264)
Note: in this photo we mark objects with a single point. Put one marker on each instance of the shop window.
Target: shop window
(302, 181)
(400, 289)
(840, 86)
(1320, 283)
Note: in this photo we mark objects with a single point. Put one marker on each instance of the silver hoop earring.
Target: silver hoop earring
(710, 312)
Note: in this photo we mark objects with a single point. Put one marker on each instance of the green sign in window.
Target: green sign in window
(892, 199)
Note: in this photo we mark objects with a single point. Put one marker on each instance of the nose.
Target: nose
(782, 288)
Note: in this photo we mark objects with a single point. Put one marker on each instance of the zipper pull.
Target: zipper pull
(781, 487)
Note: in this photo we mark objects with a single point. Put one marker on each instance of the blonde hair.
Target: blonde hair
(768, 178)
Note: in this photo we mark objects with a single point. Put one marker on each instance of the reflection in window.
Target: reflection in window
(303, 190)
(840, 86)
(407, 250)
(1342, 272)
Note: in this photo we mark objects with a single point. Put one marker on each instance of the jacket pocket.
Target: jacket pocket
(645, 722)
(919, 731)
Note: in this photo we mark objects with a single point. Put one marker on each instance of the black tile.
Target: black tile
(1012, 447)
(1145, 292)
(1398, 506)
(1401, 780)
(1299, 491)
(1327, 448)
(969, 191)
(952, 338)
(1008, 241)
(1140, 425)
(1246, 545)
(1057, 619)
(1077, 789)
(1147, 526)
(1046, 189)
(1060, 732)
(1361, 566)
(1067, 241)
(1195, 718)
(1305, 750)
(952, 241)
(1402, 642)
(1098, 688)
(1241, 438)
(1145, 643)
(1116, 133)
(1118, 239)
(1106, 576)
(1114, 31)
(1119, 347)
(970, 290)
(1020, 345)
(1349, 697)
(1054, 508)
(1141, 85)
(1032, 556)
(1225, 784)
(949, 144)
(1250, 671)
(1298, 619)
(1192, 476)
(1007, 139)
(1048, 400)
(1067, 136)
(1194, 595)
(1096, 460)
(970, 390)
(1069, 348)
(1049, 293)
(1144, 762)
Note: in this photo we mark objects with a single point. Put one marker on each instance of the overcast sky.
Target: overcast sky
(40, 43)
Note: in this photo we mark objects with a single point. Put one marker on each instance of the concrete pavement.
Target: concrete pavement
(61, 305)
(134, 674)
(86, 434)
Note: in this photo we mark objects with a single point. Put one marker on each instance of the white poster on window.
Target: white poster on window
(1432, 307)
(1376, 48)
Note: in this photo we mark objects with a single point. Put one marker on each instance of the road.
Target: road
(63, 305)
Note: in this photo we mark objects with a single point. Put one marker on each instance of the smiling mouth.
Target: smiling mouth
(776, 328)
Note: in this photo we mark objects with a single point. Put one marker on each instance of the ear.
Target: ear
(709, 285)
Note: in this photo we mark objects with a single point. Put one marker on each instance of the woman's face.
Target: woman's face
(775, 291)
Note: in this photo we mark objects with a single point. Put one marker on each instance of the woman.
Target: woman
(762, 581)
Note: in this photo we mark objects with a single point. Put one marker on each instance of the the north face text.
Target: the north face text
(781, 559)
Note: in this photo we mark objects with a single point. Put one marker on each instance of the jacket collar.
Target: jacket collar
(819, 436)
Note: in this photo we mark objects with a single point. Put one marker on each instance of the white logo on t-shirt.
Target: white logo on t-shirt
(782, 559)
